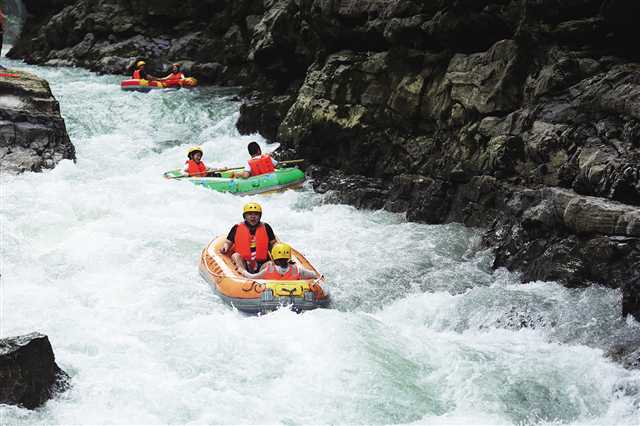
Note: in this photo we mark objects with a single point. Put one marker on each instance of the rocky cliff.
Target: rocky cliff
(33, 135)
(519, 116)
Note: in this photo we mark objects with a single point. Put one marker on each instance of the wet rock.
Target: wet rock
(29, 375)
(361, 192)
(33, 135)
(626, 352)
(208, 72)
(486, 82)
(262, 115)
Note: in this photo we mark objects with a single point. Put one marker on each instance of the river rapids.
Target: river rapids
(101, 255)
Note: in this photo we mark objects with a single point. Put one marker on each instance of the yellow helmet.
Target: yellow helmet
(140, 63)
(281, 251)
(252, 208)
(194, 149)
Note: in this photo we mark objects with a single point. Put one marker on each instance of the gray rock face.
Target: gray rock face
(29, 375)
(33, 135)
(535, 136)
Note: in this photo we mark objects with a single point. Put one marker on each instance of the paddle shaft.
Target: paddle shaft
(226, 169)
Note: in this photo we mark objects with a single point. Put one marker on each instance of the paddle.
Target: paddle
(299, 160)
(226, 169)
(184, 175)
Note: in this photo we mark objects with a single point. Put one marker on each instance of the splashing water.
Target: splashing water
(101, 255)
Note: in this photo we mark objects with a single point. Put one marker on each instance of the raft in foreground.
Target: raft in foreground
(281, 179)
(260, 296)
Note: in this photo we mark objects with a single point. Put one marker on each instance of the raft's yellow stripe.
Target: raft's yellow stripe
(288, 288)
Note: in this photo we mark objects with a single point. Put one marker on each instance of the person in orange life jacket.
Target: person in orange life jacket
(175, 76)
(281, 267)
(140, 74)
(250, 239)
(258, 164)
(195, 166)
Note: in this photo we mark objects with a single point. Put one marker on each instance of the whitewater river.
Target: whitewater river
(101, 255)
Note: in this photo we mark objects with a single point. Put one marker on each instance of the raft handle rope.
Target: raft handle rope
(255, 286)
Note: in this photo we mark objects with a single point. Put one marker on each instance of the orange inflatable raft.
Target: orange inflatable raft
(260, 296)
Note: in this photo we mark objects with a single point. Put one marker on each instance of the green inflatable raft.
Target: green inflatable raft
(281, 179)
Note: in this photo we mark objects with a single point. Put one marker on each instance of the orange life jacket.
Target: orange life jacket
(196, 169)
(271, 273)
(244, 241)
(175, 77)
(136, 75)
(261, 165)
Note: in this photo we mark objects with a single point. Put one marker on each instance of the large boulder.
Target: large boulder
(33, 135)
(29, 375)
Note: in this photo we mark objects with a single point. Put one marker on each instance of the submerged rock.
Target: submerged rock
(29, 375)
(33, 135)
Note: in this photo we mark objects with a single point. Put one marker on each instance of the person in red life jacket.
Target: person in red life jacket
(175, 77)
(281, 268)
(195, 166)
(258, 164)
(251, 240)
(140, 74)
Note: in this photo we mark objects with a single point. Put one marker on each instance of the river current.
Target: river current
(101, 255)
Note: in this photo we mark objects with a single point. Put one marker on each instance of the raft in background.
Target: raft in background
(281, 179)
(138, 85)
(260, 296)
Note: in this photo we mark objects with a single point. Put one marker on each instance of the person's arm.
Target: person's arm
(270, 235)
(230, 239)
(226, 247)
(245, 173)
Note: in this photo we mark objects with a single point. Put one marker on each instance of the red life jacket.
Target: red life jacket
(271, 273)
(261, 165)
(136, 75)
(196, 169)
(244, 241)
(174, 78)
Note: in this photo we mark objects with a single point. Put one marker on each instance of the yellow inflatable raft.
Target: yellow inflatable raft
(260, 296)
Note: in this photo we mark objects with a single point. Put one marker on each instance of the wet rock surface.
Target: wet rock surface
(33, 135)
(29, 375)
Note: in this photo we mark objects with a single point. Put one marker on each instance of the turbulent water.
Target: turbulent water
(101, 255)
